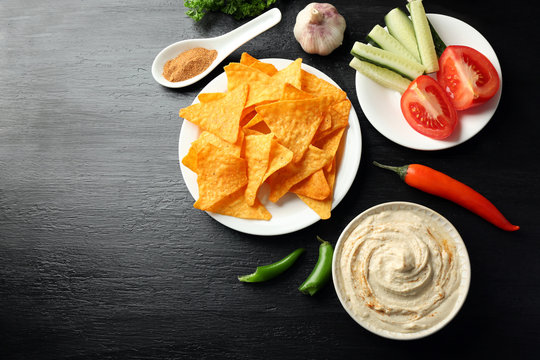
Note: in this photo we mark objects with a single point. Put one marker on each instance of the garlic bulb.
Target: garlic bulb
(319, 28)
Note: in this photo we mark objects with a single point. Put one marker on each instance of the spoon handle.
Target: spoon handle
(239, 36)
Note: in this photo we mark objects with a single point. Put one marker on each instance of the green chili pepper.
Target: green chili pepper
(270, 271)
(321, 272)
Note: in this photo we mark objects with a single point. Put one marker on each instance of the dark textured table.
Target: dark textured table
(103, 256)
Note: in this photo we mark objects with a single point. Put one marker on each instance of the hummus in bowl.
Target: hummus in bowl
(401, 270)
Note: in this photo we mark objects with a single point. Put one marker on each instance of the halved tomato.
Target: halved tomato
(427, 108)
(467, 76)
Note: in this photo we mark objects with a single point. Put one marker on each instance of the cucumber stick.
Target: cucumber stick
(422, 31)
(383, 76)
(385, 41)
(440, 46)
(386, 59)
(401, 28)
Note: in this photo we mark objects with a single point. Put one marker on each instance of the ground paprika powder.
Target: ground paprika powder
(188, 64)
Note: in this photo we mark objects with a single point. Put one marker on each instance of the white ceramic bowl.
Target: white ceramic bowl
(464, 269)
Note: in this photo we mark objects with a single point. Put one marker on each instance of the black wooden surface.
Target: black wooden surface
(102, 255)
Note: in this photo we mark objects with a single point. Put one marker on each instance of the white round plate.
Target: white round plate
(382, 106)
(461, 250)
(290, 213)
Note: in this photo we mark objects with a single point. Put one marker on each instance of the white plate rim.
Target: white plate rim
(344, 178)
(461, 249)
(453, 32)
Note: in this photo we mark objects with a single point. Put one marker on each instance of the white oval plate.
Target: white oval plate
(290, 213)
(461, 250)
(382, 106)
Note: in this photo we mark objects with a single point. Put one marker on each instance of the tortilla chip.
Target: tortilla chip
(292, 74)
(190, 160)
(262, 88)
(247, 115)
(253, 121)
(266, 68)
(222, 116)
(251, 132)
(219, 174)
(292, 93)
(323, 208)
(314, 186)
(207, 97)
(326, 124)
(339, 118)
(340, 112)
(330, 143)
(240, 74)
(280, 157)
(236, 205)
(257, 154)
(257, 124)
(261, 127)
(294, 122)
(312, 84)
(281, 181)
(247, 59)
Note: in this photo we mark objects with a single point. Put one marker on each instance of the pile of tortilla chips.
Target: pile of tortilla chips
(282, 128)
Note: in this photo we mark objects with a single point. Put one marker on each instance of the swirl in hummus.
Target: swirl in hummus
(398, 271)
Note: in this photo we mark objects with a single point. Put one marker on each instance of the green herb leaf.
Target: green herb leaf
(237, 8)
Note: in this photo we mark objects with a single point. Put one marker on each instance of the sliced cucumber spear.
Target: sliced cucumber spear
(401, 28)
(381, 38)
(440, 46)
(426, 47)
(386, 59)
(382, 76)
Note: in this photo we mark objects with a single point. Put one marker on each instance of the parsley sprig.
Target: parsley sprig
(237, 8)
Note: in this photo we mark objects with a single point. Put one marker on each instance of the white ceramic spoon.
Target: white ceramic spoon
(224, 44)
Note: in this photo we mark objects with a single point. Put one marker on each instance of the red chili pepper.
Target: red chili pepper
(436, 183)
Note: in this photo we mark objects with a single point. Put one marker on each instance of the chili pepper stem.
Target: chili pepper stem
(400, 170)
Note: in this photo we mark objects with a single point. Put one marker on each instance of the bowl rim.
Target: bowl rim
(461, 250)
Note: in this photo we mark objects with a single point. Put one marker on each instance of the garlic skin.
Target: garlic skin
(319, 28)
